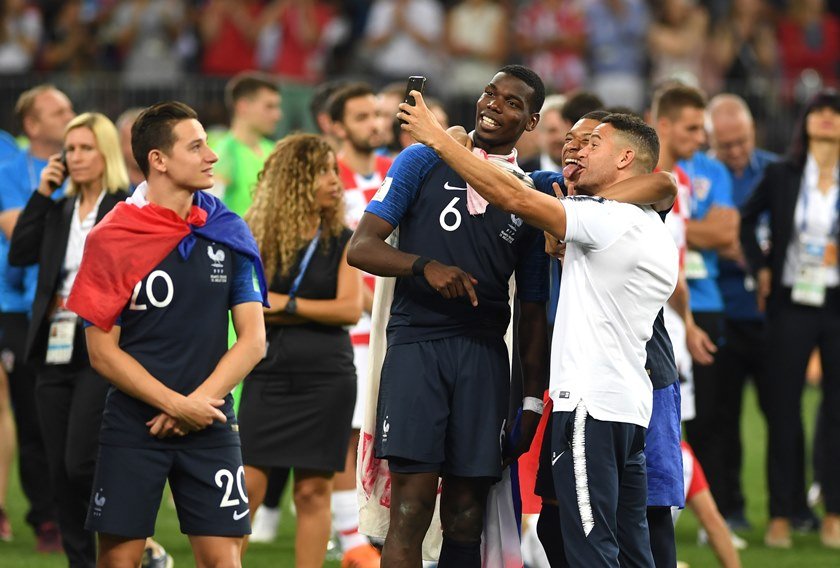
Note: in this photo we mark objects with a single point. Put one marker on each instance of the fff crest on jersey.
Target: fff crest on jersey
(217, 267)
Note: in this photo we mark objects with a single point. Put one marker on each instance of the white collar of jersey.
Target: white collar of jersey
(138, 198)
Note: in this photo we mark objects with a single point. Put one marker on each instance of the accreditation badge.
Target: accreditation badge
(809, 286)
(695, 266)
(60, 340)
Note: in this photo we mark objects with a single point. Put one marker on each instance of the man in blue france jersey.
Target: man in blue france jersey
(445, 380)
(158, 278)
(620, 268)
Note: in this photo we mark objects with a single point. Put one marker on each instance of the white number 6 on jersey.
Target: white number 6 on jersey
(450, 210)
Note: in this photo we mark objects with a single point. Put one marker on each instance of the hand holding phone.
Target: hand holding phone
(53, 174)
(415, 83)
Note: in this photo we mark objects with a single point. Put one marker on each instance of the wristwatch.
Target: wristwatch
(291, 306)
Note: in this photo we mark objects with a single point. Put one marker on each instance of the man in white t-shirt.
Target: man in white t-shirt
(620, 268)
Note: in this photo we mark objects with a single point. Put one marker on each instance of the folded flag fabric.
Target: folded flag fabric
(136, 236)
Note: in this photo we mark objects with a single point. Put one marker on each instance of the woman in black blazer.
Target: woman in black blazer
(70, 394)
(798, 281)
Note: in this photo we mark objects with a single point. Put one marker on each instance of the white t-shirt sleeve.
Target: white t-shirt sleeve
(595, 222)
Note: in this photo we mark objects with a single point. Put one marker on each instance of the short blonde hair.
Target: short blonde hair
(115, 176)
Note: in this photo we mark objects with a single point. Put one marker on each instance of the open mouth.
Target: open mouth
(488, 123)
(571, 168)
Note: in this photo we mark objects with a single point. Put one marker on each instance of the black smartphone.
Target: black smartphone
(63, 163)
(415, 83)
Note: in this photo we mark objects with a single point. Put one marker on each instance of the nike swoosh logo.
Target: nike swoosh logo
(557, 457)
(237, 516)
(453, 187)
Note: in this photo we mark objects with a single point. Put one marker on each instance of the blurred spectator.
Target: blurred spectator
(388, 100)
(70, 394)
(8, 147)
(299, 62)
(43, 112)
(254, 103)
(124, 123)
(676, 40)
(744, 53)
(319, 110)
(551, 134)
(741, 356)
(809, 38)
(297, 404)
(404, 37)
(551, 35)
(799, 284)
(20, 35)
(68, 45)
(229, 31)
(476, 41)
(616, 34)
(146, 33)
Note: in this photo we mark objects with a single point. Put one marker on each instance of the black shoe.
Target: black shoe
(805, 522)
(738, 522)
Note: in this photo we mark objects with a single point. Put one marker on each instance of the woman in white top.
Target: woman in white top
(70, 394)
(799, 283)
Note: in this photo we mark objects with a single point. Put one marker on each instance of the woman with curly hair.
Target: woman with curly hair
(297, 404)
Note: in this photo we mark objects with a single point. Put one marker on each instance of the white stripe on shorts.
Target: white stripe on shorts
(587, 519)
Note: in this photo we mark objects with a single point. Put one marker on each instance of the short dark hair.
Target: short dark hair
(641, 136)
(530, 78)
(247, 85)
(321, 96)
(621, 109)
(338, 101)
(598, 115)
(25, 105)
(153, 130)
(579, 104)
(798, 151)
(669, 101)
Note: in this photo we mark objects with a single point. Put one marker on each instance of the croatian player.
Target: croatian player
(157, 280)
(620, 268)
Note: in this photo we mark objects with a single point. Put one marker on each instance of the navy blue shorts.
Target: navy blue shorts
(208, 485)
(442, 406)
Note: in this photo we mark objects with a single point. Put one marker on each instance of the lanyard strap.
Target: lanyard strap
(803, 226)
(304, 264)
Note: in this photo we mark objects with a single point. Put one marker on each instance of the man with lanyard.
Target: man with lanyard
(43, 112)
(677, 111)
(445, 383)
(600, 391)
(732, 141)
(356, 124)
(159, 275)
(254, 103)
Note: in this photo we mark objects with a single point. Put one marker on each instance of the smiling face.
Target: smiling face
(328, 189)
(598, 161)
(576, 139)
(503, 113)
(189, 163)
(85, 163)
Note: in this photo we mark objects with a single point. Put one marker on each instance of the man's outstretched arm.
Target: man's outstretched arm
(502, 189)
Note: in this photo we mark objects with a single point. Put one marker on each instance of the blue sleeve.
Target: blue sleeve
(532, 272)
(543, 180)
(403, 182)
(721, 184)
(244, 287)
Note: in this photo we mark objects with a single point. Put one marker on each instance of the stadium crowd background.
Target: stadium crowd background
(110, 55)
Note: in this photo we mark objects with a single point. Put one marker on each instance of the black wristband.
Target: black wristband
(420, 265)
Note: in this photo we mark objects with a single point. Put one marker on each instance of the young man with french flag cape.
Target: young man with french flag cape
(158, 278)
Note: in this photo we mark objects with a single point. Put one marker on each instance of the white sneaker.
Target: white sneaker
(814, 495)
(264, 527)
(738, 542)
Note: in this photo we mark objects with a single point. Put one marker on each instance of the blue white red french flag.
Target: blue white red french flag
(136, 236)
